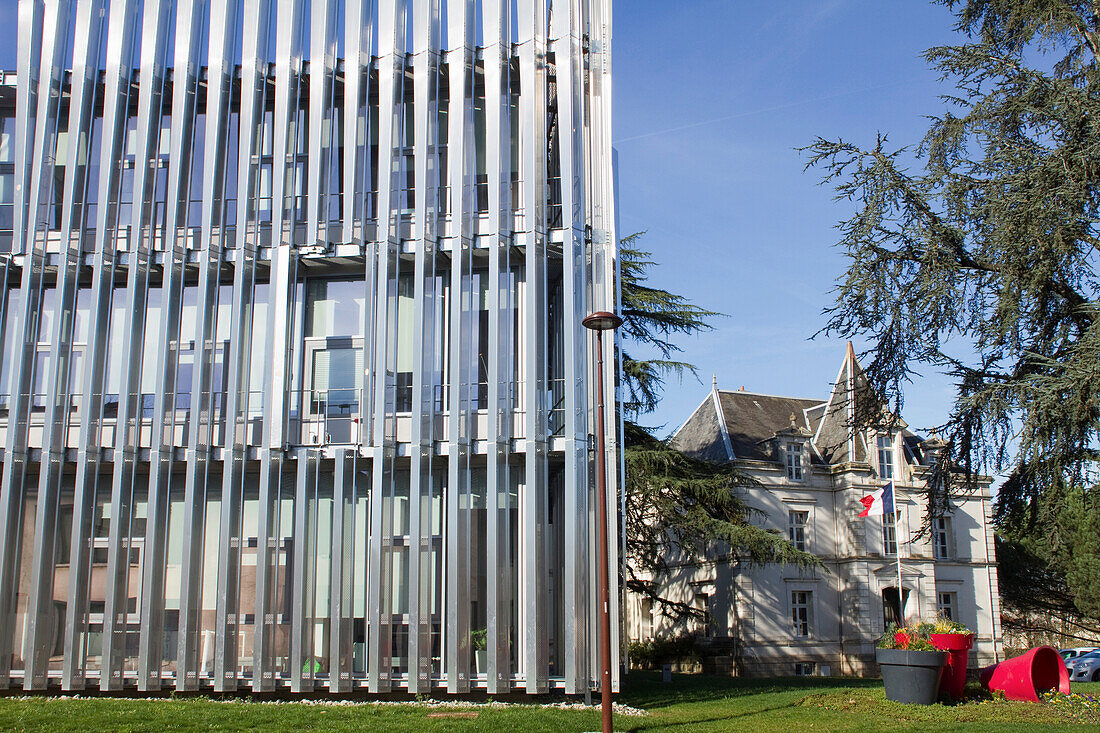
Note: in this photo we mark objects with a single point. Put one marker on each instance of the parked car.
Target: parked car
(1086, 668)
(1073, 653)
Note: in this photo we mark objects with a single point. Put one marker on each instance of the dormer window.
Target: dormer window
(885, 457)
(794, 461)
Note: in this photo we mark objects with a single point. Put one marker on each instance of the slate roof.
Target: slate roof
(701, 435)
(752, 421)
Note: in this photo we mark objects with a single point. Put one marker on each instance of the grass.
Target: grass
(688, 703)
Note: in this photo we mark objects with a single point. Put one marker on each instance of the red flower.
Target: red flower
(901, 640)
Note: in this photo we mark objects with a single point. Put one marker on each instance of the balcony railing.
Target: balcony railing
(314, 417)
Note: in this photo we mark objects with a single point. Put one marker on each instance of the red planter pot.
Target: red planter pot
(1029, 675)
(957, 647)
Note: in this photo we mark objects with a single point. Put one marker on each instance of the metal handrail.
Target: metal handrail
(338, 416)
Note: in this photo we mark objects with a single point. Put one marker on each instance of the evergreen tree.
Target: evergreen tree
(979, 257)
(651, 318)
(678, 509)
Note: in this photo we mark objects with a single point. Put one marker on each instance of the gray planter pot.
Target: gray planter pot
(912, 677)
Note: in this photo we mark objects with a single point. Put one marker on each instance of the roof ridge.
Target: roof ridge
(815, 400)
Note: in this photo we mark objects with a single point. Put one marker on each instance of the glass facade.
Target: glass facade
(296, 393)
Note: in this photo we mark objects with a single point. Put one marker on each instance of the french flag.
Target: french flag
(879, 502)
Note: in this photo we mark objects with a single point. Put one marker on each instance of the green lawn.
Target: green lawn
(689, 703)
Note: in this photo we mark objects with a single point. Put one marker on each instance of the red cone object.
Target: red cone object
(1027, 676)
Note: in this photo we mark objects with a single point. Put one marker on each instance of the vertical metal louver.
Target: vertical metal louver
(297, 393)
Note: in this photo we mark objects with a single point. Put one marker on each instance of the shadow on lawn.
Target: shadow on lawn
(645, 689)
(690, 724)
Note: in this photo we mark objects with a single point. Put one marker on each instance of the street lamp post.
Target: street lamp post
(599, 322)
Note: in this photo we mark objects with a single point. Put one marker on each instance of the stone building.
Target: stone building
(812, 471)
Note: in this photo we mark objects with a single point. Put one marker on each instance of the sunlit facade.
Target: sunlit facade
(811, 462)
(297, 394)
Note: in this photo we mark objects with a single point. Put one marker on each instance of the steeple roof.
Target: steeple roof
(745, 423)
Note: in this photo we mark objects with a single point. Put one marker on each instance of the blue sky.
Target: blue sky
(711, 101)
(711, 98)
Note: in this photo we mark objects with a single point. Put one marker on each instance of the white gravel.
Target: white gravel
(429, 703)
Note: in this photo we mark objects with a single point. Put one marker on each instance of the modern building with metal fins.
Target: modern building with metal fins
(297, 391)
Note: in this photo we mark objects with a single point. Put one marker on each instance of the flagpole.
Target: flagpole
(875, 505)
(897, 547)
(901, 590)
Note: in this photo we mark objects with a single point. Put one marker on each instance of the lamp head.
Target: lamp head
(602, 321)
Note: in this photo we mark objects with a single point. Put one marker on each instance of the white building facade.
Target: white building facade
(812, 472)
(297, 394)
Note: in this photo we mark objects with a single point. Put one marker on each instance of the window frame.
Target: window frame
(706, 627)
(890, 533)
(796, 528)
(802, 613)
(947, 600)
(646, 619)
(889, 609)
(885, 454)
(805, 669)
(943, 538)
(792, 459)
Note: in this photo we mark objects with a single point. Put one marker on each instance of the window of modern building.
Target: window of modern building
(7, 139)
(943, 541)
(125, 196)
(805, 669)
(151, 372)
(7, 179)
(11, 328)
(48, 312)
(262, 201)
(802, 621)
(117, 352)
(189, 323)
(946, 605)
(86, 195)
(794, 461)
(7, 198)
(408, 356)
(890, 534)
(796, 527)
(194, 207)
(885, 457)
(334, 307)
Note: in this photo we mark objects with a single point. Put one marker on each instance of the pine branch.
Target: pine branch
(982, 262)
